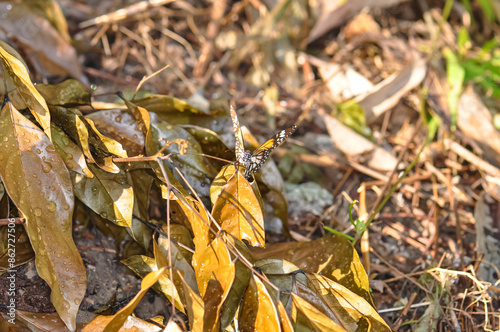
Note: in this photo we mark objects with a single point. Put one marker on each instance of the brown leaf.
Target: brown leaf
(50, 321)
(336, 13)
(475, 121)
(84, 132)
(166, 104)
(332, 256)
(286, 324)
(388, 93)
(271, 184)
(38, 183)
(24, 251)
(49, 50)
(69, 120)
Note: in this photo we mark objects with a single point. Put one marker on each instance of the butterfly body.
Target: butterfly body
(252, 162)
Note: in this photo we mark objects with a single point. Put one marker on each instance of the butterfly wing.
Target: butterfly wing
(239, 147)
(260, 155)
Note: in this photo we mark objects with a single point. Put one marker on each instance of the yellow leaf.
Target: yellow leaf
(215, 274)
(121, 316)
(22, 81)
(238, 211)
(306, 317)
(258, 313)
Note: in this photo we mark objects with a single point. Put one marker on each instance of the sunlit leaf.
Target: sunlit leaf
(348, 307)
(241, 280)
(84, 132)
(305, 317)
(71, 154)
(195, 308)
(238, 211)
(222, 179)
(195, 215)
(107, 194)
(131, 323)
(286, 324)
(179, 262)
(270, 183)
(18, 72)
(69, 120)
(172, 327)
(103, 143)
(215, 273)
(332, 256)
(142, 265)
(164, 104)
(38, 183)
(175, 111)
(258, 312)
(141, 116)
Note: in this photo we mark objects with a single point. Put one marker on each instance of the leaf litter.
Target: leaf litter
(148, 181)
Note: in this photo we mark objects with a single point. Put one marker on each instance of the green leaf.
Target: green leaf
(69, 93)
(107, 194)
(455, 78)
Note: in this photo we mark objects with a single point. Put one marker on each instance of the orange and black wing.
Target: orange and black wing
(260, 155)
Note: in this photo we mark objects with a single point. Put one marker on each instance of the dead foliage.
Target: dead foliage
(120, 173)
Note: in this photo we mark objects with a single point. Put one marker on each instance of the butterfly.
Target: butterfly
(254, 161)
